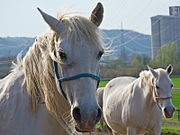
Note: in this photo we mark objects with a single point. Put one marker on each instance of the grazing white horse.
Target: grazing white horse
(135, 106)
(52, 90)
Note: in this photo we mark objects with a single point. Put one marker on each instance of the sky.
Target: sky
(21, 18)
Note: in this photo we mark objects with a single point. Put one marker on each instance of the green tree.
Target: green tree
(140, 60)
(116, 64)
(173, 53)
(166, 55)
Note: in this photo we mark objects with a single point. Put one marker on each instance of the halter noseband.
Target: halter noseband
(162, 98)
(60, 80)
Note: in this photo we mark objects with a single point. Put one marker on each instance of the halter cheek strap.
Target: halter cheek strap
(60, 80)
(157, 98)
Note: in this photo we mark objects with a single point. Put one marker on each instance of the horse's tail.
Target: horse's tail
(99, 95)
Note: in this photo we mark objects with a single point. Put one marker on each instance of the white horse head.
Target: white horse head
(76, 48)
(162, 91)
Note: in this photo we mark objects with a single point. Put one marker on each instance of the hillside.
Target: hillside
(11, 46)
(124, 43)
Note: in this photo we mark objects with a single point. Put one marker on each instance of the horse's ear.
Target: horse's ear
(169, 69)
(97, 14)
(53, 23)
(154, 73)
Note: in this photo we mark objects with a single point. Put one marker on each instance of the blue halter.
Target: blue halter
(60, 80)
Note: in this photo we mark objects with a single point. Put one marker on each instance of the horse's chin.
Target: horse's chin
(79, 129)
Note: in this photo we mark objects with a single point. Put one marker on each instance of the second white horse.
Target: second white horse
(135, 106)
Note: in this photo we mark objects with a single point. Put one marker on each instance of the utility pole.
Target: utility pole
(123, 51)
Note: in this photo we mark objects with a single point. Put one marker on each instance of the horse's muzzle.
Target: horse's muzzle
(86, 124)
(168, 111)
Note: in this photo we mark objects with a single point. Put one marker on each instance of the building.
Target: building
(165, 30)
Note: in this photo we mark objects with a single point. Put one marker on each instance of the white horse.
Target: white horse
(56, 79)
(99, 95)
(134, 106)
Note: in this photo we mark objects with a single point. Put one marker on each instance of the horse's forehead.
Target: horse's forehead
(81, 45)
(164, 78)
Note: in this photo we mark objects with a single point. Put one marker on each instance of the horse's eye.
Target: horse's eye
(157, 87)
(171, 85)
(99, 55)
(62, 55)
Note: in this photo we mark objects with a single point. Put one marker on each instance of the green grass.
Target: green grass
(165, 128)
(170, 128)
(176, 82)
(103, 83)
(98, 125)
(176, 98)
(174, 119)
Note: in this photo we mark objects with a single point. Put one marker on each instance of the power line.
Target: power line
(141, 23)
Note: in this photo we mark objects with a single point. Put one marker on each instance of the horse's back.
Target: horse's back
(10, 102)
(116, 86)
(118, 83)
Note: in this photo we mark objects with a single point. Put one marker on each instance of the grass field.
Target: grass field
(176, 82)
(170, 128)
(103, 83)
(176, 98)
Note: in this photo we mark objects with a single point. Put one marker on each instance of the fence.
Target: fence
(178, 114)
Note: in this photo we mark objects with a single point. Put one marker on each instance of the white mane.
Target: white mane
(146, 78)
(18, 64)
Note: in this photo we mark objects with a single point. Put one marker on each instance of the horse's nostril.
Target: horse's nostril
(76, 114)
(98, 117)
(165, 110)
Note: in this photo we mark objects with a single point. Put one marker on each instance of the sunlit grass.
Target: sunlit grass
(170, 128)
(176, 82)
(103, 83)
(176, 99)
